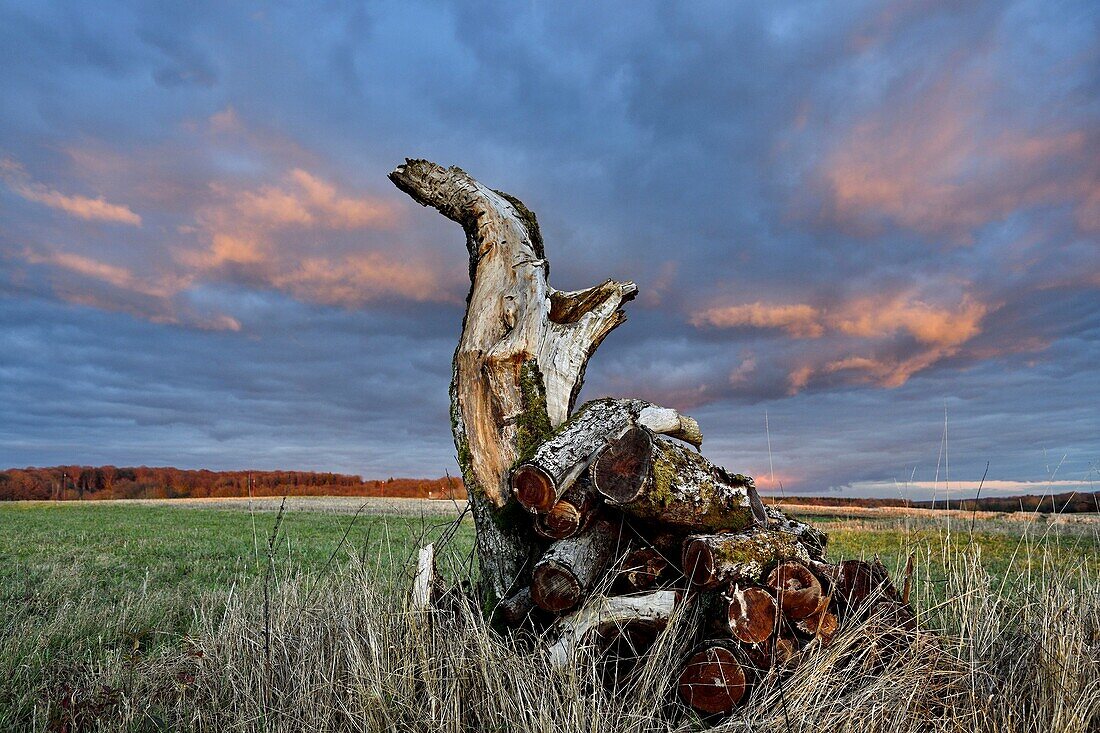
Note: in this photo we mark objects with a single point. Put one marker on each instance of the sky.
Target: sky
(866, 235)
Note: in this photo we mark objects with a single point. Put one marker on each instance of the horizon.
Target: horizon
(866, 238)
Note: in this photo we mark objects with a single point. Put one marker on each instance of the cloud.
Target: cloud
(798, 320)
(938, 157)
(82, 207)
(860, 324)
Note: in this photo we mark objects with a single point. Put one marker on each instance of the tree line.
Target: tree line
(143, 482)
(1071, 502)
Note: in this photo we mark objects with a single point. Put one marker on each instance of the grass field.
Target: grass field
(150, 616)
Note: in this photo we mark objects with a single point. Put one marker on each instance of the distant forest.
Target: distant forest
(109, 482)
(1068, 502)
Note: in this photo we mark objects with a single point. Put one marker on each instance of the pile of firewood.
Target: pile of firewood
(636, 522)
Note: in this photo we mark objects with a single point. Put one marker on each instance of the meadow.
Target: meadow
(206, 616)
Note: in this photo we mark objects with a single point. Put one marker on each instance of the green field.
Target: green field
(98, 590)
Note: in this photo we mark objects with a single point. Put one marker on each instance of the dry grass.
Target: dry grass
(343, 653)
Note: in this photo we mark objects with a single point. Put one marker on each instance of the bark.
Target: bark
(712, 559)
(814, 540)
(520, 359)
(713, 679)
(420, 599)
(559, 462)
(516, 608)
(573, 631)
(798, 590)
(571, 567)
(662, 482)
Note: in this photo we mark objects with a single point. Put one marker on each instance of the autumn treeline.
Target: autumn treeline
(110, 482)
(1069, 502)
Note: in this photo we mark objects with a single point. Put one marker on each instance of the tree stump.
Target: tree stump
(616, 497)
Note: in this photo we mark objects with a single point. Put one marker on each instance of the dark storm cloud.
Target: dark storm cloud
(848, 216)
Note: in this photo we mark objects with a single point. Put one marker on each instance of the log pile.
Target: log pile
(594, 527)
(638, 522)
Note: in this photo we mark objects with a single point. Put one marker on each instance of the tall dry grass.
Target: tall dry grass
(343, 653)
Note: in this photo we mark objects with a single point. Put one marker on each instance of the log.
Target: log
(570, 514)
(713, 680)
(660, 481)
(822, 624)
(571, 567)
(857, 582)
(641, 568)
(520, 360)
(712, 559)
(559, 462)
(573, 631)
(516, 608)
(798, 590)
(751, 615)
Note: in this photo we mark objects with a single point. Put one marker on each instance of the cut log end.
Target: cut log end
(698, 562)
(642, 568)
(562, 521)
(534, 490)
(712, 681)
(622, 466)
(798, 590)
(555, 588)
(752, 614)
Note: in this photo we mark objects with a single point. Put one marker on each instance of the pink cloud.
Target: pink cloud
(798, 319)
(937, 331)
(926, 160)
(82, 207)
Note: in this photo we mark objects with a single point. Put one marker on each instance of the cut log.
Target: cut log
(641, 568)
(822, 624)
(713, 680)
(573, 631)
(660, 481)
(712, 559)
(571, 567)
(516, 608)
(752, 614)
(572, 513)
(857, 582)
(798, 590)
(558, 463)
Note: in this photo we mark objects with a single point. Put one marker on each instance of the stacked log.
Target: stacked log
(639, 522)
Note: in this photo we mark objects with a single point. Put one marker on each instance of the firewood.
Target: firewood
(570, 514)
(711, 559)
(751, 615)
(516, 608)
(858, 581)
(713, 679)
(641, 568)
(798, 590)
(660, 481)
(570, 567)
(543, 479)
(573, 631)
(821, 624)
